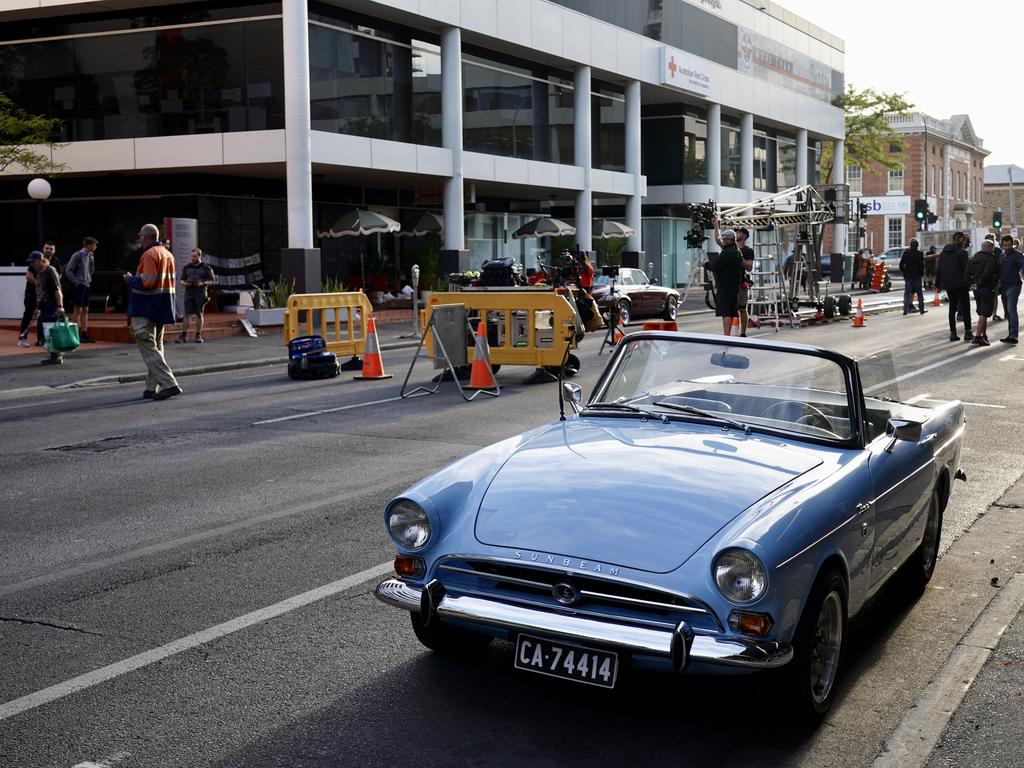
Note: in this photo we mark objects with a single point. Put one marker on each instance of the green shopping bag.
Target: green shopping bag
(63, 336)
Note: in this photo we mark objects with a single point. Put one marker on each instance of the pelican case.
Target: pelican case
(497, 273)
(308, 358)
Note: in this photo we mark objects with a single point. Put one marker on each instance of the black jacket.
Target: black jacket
(728, 269)
(982, 270)
(950, 267)
(912, 264)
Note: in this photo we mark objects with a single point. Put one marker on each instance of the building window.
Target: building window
(695, 137)
(854, 177)
(608, 118)
(896, 181)
(785, 162)
(893, 231)
(730, 156)
(761, 143)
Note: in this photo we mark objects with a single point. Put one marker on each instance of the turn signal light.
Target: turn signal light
(410, 567)
(746, 623)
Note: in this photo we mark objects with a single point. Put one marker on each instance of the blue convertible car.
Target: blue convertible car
(742, 499)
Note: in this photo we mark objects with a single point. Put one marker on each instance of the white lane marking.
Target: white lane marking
(192, 538)
(264, 373)
(1010, 357)
(919, 371)
(308, 414)
(144, 659)
(919, 398)
(107, 762)
(34, 404)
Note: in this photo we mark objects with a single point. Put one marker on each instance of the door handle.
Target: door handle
(863, 507)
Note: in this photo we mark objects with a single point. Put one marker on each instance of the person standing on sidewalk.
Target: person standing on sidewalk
(982, 277)
(79, 273)
(912, 268)
(950, 269)
(30, 304)
(196, 276)
(1011, 273)
(49, 299)
(728, 270)
(150, 308)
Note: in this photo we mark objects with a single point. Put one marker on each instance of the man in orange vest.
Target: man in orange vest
(150, 308)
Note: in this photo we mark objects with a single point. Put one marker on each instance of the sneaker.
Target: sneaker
(923, 310)
(23, 342)
(181, 339)
(85, 338)
(954, 337)
(996, 318)
(968, 336)
(166, 393)
(52, 360)
(148, 394)
(198, 340)
(1009, 340)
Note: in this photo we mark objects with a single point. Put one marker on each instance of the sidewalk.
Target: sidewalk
(103, 362)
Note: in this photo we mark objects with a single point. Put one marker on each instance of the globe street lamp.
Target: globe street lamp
(39, 190)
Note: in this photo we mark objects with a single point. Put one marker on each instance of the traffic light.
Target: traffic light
(932, 218)
(921, 210)
(863, 210)
(997, 218)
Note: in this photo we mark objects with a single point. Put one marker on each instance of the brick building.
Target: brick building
(998, 181)
(942, 161)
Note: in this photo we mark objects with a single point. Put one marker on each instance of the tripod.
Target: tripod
(615, 326)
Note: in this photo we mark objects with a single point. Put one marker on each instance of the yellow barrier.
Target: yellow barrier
(342, 320)
(532, 326)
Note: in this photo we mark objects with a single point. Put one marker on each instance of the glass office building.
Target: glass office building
(485, 113)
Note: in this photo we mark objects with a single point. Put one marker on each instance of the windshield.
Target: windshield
(777, 389)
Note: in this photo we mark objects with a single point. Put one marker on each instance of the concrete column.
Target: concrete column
(451, 138)
(747, 154)
(839, 177)
(298, 154)
(713, 148)
(634, 202)
(582, 156)
(801, 157)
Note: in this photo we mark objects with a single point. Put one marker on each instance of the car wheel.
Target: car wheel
(920, 566)
(572, 365)
(671, 307)
(624, 314)
(829, 307)
(844, 304)
(444, 638)
(818, 647)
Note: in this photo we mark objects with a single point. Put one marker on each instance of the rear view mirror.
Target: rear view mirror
(902, 429)
(573, 393)
(726, 359)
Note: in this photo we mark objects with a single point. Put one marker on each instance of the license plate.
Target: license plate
(569, 662)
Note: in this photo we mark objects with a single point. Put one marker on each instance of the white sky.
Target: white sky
(946, 57)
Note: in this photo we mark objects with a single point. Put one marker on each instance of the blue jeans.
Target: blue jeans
(911, 286)
(1010, 296)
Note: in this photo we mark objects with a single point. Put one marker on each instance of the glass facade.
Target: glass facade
(364, 86)
(208, 78)
(515, 114)
(730, 156)
(673, 150)
(664, 242)
(608, 122)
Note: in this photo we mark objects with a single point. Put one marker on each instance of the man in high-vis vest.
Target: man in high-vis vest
(150, 308)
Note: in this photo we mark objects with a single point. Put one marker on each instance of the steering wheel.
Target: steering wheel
(811, 415)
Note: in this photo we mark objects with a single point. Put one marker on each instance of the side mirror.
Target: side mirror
(902, 429)
(574, 394)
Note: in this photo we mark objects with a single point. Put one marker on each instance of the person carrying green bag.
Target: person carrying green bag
(63, 336)
(49, 300)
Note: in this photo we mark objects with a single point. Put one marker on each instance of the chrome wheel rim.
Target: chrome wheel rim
(672, 305)
(931, 535)
(826, 643)
(624, 313)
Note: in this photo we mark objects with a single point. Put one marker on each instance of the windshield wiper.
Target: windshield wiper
(622, 407)
(706, 414)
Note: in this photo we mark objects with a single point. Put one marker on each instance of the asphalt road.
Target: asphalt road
(141, 542)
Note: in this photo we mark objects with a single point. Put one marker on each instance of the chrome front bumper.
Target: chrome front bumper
(655, 642)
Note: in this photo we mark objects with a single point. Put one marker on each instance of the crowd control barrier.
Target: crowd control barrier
(524, 327)
(341, 318)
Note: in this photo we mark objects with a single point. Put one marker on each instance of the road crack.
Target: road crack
(53, 624)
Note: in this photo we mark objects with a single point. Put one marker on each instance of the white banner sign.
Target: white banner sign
(683, 71)
(770, 60)
(889, 205)
(184, 237)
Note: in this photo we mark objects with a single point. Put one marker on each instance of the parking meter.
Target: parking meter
(415, 298)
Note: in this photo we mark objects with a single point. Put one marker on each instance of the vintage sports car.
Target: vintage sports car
(742, 500)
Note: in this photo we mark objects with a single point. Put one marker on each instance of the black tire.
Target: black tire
(819, 645)
(292, 373)
(920, 566)
(572, 365)
(845, 304)
(671, 308)
(444, 638)
(624, 312)
(829, 307)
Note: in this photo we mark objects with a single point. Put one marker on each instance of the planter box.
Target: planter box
(261, 317)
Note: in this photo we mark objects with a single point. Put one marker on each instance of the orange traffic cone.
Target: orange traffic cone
(735, 330)
(373, 367)
(936, 302)
(481, 375)
(858, 316)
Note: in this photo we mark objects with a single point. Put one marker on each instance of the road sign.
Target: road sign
(1013, 231)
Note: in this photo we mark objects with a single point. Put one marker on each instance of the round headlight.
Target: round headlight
(740, 576)
(408, 524)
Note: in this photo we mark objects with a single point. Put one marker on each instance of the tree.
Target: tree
(21, 134)
(870, 138)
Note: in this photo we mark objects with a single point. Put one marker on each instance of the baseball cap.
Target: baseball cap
(34, 256)
(150, 230)
(729, 234)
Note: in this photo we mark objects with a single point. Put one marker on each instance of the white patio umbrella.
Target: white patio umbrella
(606, 229)
(361, 223)
(544, 227)
(428, 224)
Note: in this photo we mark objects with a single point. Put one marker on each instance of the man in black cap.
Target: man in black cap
(49, 299)
(950, 276)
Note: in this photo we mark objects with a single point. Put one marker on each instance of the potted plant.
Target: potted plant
(268, 306)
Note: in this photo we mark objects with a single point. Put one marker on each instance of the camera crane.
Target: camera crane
(779, 285)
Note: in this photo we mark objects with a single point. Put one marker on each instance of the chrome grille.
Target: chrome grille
(599, 597)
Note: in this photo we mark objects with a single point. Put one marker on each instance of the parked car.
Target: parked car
(636, 296)
(744, 499)
(892, 257)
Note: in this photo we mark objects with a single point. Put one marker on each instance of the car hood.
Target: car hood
(643, 495)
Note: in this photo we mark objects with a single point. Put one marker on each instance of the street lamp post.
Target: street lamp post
(415, 299)
(39, 190)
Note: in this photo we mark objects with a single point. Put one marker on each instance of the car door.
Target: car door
(902, 476)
